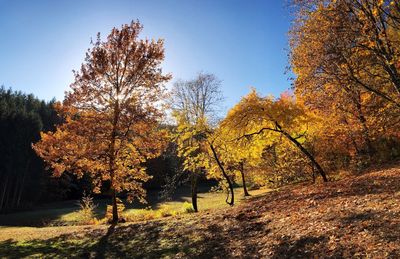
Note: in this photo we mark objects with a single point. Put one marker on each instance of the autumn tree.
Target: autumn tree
(195, 105)
(111, 115)
(218, 164)
(344, 54)
(235, 155)
(255, 116)
(356, 42)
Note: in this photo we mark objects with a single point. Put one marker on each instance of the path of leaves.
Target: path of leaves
(354, 217)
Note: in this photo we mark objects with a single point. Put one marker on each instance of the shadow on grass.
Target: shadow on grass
(152, 240)
(51, 214)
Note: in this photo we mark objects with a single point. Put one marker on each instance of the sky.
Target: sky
(243, 42)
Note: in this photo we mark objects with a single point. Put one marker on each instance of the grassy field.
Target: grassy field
(67, 213)
(58, 236)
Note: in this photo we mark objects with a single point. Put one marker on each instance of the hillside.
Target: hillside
(354, 217)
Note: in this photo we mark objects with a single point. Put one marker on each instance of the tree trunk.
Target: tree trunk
(114, 207)
(365, 130)
(23, 181)
(245, 192)
(15, 193)
(3, 195)
(231, 202)
(112, 162)
(193, 180)
(305, 152)
(313, 173)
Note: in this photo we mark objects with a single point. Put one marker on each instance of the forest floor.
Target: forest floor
(354, 217)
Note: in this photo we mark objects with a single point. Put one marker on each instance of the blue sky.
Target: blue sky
(243, 42)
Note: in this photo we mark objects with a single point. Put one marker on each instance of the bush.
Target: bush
(140, 215)
(86, 213)
(187, 207)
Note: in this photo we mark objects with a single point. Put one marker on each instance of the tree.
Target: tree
(195, 104)
(354, 42)
(345, 57)
(111, 115)
(255, 115)
(22, 117)
(234, 154)
(198, 98)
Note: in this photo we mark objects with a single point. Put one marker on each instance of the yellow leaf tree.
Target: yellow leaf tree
(255, 115)
(344, 55)
(195, 105)
(111, 115)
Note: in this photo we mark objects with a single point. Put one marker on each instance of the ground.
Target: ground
(66, 213)
(354, 217)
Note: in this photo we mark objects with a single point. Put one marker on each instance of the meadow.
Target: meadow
(67, 213)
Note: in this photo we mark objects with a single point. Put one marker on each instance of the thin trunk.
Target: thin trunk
(305, 152)
(245, 192)
(193, 180)
(7, 198)
(365, 130)
(366, 136)
(23, 181)
(112, 162)
(3, 194)
(14, 195)
(313, 173)
(114, 207)
(232, 201)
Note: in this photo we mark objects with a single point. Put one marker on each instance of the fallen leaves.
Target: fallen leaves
(354, 217)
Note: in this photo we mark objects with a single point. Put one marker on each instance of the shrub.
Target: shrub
(187, 207)
(86, 213)
(140, 215)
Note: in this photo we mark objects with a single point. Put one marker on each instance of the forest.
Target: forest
(125, 166)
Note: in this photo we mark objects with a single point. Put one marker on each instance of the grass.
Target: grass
(206, 202)
(356, 217)
(67, 213)
(61, 236)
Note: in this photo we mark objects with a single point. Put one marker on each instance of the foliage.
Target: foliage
(194, 104)
(267, 123)
(111, 117)
(345, 55)
(187, 207)
(87, 209)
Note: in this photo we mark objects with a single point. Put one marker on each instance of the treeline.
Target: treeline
(23, 179)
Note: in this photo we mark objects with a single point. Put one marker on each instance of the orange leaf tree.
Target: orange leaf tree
(111, 115)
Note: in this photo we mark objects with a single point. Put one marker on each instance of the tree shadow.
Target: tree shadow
(313, 247)
(379, 224)
(154, 239)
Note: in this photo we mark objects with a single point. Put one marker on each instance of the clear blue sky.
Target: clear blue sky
(243, 42)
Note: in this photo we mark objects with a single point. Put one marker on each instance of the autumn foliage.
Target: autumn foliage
(111, 115)
(342, 113)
